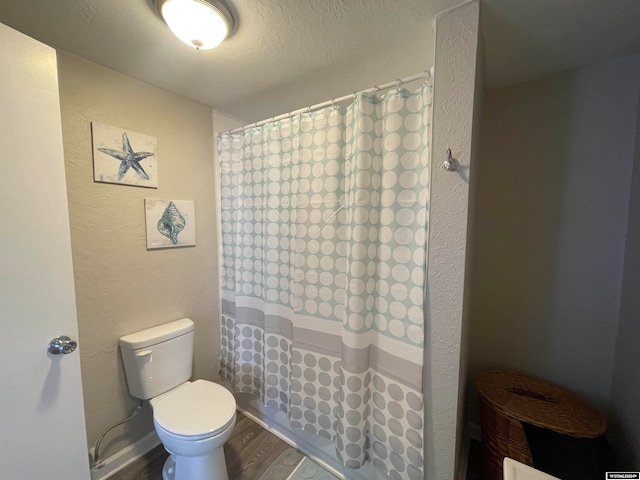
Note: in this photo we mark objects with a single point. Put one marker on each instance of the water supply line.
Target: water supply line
(95, 451)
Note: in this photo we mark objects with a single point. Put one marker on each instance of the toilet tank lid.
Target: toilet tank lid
(154, 335)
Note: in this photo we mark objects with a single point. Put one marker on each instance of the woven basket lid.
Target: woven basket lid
(541, 404)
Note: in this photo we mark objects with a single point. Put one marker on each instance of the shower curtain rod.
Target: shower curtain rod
(400, 81)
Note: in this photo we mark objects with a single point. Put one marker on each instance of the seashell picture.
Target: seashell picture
(124, 157)
(170, 223)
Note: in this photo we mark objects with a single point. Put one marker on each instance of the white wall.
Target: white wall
(457, 43)
(551, 219)
(625, 392)
(466, 315)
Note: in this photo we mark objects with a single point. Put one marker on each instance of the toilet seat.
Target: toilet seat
(198, 410)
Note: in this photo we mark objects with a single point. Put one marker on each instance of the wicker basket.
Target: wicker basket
(507, 399)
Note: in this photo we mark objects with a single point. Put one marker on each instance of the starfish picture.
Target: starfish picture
(128, 158)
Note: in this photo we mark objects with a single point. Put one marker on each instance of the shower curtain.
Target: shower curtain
(324, 239)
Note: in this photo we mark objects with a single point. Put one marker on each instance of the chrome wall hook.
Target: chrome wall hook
(450, 164)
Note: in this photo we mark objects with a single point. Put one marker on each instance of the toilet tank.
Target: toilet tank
(158, 359)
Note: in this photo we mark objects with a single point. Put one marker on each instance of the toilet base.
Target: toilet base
(210, 467)
(169, 469)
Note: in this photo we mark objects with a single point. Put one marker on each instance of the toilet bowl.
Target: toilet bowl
(192, 419)
(193, 422)
(202, 458)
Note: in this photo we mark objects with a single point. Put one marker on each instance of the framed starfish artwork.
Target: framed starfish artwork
(124, 157)
(170, 223)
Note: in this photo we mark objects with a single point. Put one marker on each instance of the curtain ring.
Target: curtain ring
(376, 89)
(398, 83)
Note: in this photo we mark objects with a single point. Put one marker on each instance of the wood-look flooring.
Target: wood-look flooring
(249, 452)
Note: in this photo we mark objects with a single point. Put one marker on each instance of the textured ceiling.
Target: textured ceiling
(287, 54)
(284, 54)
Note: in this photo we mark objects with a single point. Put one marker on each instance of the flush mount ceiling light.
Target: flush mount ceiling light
(201, 24)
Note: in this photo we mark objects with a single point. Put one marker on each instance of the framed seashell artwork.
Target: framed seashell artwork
(170, 223)
(124, 157)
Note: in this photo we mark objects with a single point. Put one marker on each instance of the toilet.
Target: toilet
(192, 419)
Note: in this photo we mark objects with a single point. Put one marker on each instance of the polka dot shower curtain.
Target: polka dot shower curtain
(324, 238)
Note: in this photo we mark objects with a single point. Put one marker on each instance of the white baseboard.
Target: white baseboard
(125, 456)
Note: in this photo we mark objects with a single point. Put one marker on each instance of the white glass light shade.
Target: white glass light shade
(195, 22)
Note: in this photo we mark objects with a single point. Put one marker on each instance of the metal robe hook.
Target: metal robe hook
(450, 164)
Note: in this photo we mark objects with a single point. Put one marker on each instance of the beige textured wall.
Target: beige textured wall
(120, 286)
(551, 218)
